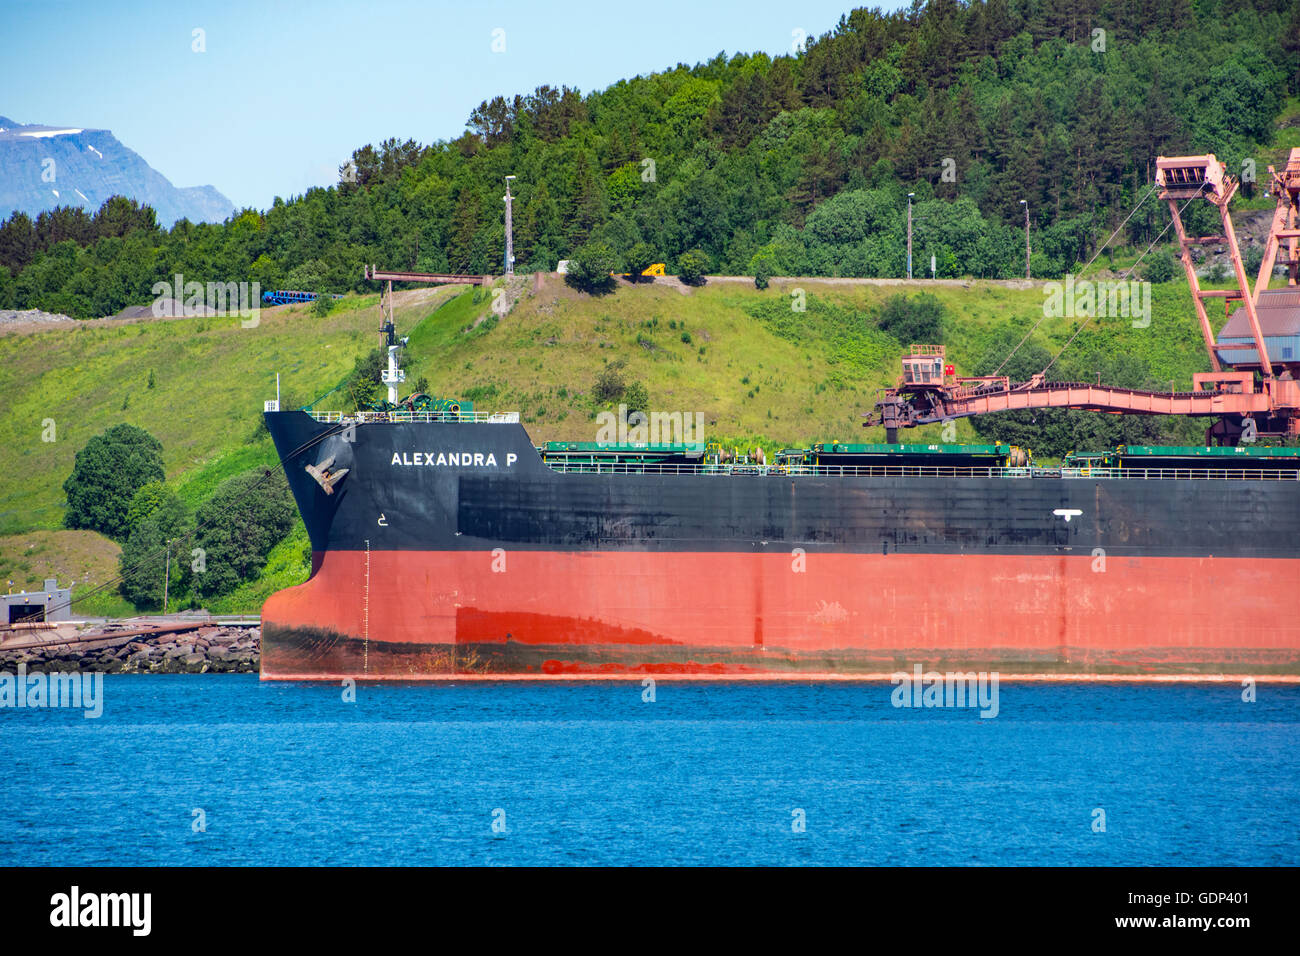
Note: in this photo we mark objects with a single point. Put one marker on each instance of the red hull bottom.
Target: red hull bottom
(411, 615)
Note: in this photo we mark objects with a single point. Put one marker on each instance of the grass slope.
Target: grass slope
(81, 558)
(756, 368)
(210, 379)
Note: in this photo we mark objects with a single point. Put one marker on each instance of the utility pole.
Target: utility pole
(510, 239)
(167, 575)
(1026, 205)
(909, 234)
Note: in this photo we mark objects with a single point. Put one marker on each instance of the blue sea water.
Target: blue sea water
(707, 773)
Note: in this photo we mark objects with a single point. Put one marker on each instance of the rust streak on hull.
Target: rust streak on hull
(582, 614)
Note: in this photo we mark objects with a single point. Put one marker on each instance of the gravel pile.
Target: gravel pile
(25, 316)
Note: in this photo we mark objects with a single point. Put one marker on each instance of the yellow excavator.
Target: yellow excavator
(655, 270)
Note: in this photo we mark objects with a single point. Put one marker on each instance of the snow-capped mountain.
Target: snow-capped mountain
(46, 166)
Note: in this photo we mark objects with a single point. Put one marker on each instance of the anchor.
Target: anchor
(324, 477)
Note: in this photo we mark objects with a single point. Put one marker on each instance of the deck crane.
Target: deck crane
(1254, 388)
(392, 375)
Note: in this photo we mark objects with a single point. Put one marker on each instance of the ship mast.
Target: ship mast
(393, 375)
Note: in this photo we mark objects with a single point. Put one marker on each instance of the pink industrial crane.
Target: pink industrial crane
(1254, 387)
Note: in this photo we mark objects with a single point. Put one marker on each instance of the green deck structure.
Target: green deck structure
(1205, 451)
(839, 448)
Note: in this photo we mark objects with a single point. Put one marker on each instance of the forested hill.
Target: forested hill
(801, 163)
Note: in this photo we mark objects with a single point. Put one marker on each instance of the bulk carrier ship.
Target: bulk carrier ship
(447, 544)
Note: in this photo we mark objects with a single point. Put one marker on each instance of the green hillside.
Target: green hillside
(758, 369)
(210, 379)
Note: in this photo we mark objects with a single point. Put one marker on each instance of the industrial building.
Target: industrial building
(52, 604)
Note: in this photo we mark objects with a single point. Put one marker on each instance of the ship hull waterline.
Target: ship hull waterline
(414, 615)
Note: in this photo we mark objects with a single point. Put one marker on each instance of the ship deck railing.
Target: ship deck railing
(925, 471)
(498, 418)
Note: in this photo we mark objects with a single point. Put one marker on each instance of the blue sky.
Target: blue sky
(283, 92)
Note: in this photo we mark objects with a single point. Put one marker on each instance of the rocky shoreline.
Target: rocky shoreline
(208, 650)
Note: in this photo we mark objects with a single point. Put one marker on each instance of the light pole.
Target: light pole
(1026, 205)
(510, 239)
(909, 234)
